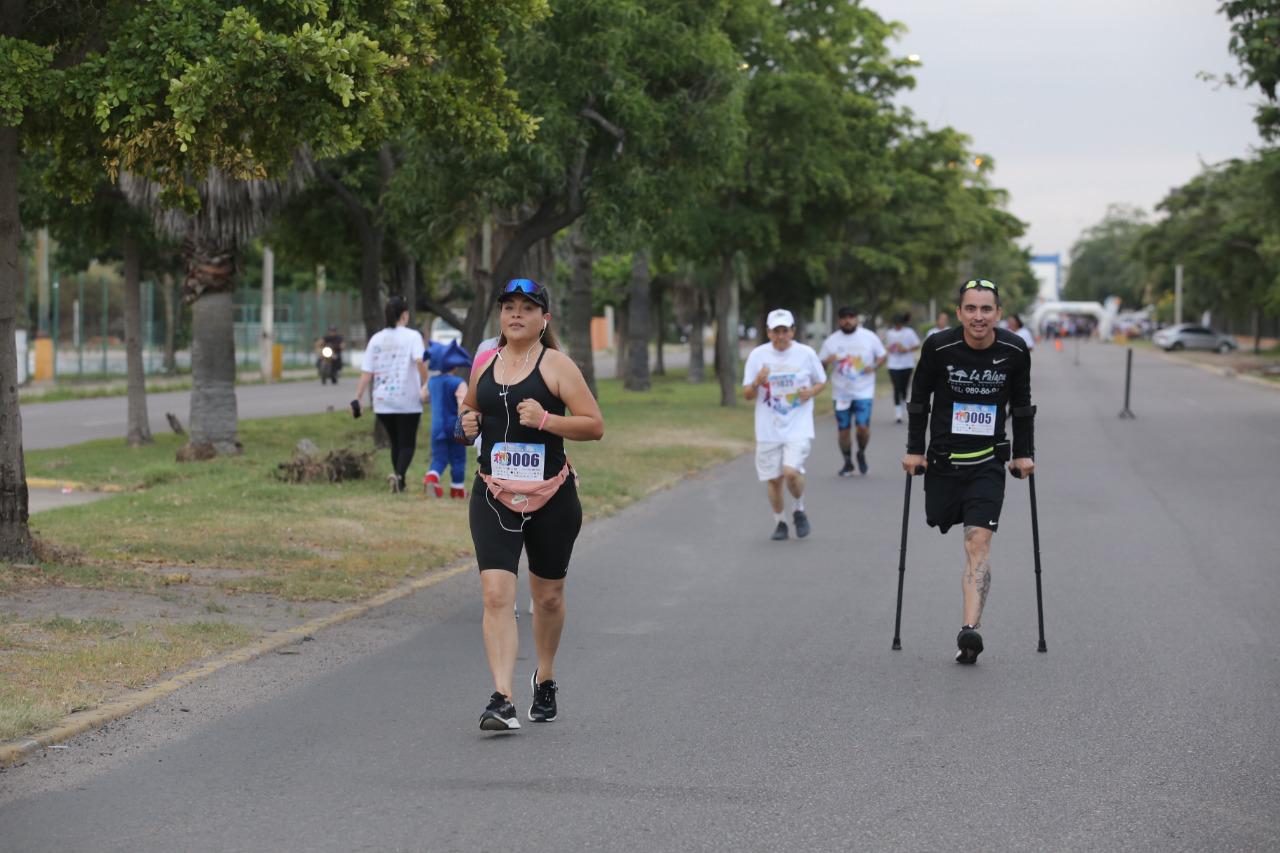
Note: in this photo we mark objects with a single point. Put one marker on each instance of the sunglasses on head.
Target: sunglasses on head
(522, 285)
(980, 282)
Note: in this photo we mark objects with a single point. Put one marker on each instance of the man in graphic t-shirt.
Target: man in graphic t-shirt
(852, 353)
(783, 377)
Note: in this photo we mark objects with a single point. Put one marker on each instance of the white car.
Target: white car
(1187, 336)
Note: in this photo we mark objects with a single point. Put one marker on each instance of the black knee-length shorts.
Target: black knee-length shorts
(548, 534)
(969, 495)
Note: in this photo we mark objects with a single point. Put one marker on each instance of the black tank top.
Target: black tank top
(494, 411)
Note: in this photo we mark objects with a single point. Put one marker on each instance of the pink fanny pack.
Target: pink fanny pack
(527, 495)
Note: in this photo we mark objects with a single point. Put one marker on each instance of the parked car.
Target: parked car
(1187, 336)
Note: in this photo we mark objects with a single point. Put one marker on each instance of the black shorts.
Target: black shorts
(972, 495)
(548, 534)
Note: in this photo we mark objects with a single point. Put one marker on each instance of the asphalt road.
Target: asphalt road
(724, 692)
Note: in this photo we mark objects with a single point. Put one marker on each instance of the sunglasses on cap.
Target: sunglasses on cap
(523, 285)
(980, 282)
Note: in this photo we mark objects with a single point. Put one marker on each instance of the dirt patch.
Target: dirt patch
(260, 613)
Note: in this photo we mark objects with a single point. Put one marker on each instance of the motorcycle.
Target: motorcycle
(329, 364)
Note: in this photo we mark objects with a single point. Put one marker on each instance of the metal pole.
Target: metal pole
(1128, 378)
(1035, 541)
(266, 318)
(105, 307)
(78, 327)
(902, 562)
(53, 329)
(1177, 294)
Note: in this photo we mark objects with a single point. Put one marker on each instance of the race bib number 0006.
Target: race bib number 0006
(973, 419)
(510, 461)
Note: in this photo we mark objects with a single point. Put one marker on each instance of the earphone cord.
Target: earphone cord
(506, 433)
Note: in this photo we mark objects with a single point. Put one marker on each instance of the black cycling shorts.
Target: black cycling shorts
(548, 534)
(972, 495)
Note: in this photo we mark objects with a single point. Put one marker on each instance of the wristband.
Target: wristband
(543, 422)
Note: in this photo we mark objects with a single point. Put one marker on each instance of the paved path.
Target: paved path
(722, 692)
(46, 425)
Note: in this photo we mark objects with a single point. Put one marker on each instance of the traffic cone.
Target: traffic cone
(1057, 344)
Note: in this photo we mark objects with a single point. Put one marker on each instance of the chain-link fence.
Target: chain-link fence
(84, 319)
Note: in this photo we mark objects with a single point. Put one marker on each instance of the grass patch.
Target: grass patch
(348, 540)
(56, 666)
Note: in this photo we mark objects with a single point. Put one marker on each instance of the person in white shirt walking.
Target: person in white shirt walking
(393, 364)
(783, 377)
(1016, 326)
(901, 341)
(852, 353)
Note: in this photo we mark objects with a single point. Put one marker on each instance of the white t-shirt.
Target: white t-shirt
(393, 356)
(1025, 333)
(780, 416)
(853, 376)
(906, 338)
(934, 330)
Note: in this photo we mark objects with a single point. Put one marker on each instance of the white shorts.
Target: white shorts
(773, 456)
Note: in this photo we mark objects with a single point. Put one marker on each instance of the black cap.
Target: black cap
(529, 289)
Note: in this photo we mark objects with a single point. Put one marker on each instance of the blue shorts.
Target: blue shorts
(859, 412)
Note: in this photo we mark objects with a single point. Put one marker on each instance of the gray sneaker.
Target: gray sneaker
(780, 532)
(802, 523)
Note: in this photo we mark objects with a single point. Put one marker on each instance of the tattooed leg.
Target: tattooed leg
(976, 581)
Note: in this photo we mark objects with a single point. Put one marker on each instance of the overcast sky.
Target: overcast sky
(1082, 103)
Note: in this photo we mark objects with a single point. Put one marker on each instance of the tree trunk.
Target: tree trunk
(371, 237)
(1257, 331)
(659, 291)
(580, 304)
(211, 275)
(15, 536)
(621, 335)
(407, 284)
(638, 324)
(139, 428)
(727, 332)
(697, 367)
(167, 287)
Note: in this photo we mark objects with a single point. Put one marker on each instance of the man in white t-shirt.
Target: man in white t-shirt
(901, 341)
(783, 377)
(852, 353)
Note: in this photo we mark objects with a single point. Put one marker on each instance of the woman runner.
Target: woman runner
(524, 402)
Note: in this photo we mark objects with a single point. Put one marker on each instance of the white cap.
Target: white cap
(780, 317)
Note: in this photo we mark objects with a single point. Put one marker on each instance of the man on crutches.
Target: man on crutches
(965, 381)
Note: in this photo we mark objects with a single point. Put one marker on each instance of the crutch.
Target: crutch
(902, 559)
(1035, 543)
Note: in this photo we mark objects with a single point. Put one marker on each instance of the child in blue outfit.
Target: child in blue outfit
(447, 390)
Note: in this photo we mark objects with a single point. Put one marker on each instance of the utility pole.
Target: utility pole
(1177, 294)
(266, 352)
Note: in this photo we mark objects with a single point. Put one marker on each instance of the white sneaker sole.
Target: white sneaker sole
(497, 724)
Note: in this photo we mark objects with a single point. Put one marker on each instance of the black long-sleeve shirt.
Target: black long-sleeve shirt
(971, 391)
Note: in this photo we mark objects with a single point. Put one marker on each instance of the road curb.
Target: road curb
(1220, 372)
(74, 724)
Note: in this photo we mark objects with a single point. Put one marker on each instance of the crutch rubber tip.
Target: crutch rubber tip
(1043, 648)
(897, 646)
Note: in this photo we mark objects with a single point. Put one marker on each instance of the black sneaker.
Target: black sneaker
(968, 645)
(862, 463)
(779, 532)
(500, 716)
(543, 709)
(802, 523)
(847, 470)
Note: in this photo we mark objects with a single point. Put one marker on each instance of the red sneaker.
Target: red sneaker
(457, 492)
(431, 483)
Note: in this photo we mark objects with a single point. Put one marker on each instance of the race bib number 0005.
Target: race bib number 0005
(510, 461)
(973, 419)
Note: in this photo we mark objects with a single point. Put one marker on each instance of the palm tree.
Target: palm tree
(213, 238)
